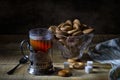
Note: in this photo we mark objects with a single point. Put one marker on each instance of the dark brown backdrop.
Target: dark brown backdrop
(18, 16)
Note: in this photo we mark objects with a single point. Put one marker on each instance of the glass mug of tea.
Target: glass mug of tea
(40, 47)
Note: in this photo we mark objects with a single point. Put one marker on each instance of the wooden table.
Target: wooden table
(10, 54)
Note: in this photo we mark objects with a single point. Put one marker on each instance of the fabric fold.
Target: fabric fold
(108, 52)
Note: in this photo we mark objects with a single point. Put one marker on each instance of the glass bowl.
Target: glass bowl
(74, 46)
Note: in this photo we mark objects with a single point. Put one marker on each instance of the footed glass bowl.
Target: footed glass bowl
(74, 46)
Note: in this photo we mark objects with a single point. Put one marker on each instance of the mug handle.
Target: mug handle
(21, 47)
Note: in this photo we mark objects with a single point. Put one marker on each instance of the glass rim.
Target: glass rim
(34, 31)
(79, 36)
(40, 34)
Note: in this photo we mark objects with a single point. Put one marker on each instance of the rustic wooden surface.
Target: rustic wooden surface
(10, 54)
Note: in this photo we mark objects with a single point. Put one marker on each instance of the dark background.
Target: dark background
(19, 16)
